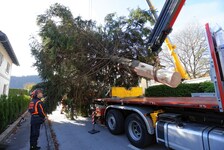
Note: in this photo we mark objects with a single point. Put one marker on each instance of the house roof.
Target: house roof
(6, 44)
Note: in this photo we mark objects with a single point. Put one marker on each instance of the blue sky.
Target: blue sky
(18, 19)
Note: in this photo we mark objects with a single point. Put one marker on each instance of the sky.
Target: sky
(18, 19)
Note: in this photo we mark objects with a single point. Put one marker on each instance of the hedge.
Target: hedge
(17, 92)
(11, 108)
(183, 90)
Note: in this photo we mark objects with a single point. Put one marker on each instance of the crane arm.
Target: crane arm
(178, 66)
(164, 23)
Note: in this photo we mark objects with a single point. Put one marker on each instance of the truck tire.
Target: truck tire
(136, 131)
(115, 121)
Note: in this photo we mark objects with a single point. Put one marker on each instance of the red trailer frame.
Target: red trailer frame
(220, 92)
(181, 102)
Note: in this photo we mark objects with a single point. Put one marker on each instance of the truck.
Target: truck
(182, 123)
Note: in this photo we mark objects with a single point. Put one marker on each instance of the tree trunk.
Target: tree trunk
(172, 79)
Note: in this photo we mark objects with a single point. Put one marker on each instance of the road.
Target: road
(19, 140)
(74, 135)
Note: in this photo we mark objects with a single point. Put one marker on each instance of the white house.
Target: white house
(7, 58)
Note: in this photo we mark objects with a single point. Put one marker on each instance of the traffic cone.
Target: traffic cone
(93, 131)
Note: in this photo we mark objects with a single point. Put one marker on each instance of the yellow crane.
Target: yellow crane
(178, 66)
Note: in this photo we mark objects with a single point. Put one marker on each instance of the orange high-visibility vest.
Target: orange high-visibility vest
(34, 106)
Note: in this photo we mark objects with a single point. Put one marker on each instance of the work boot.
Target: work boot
(34, 147)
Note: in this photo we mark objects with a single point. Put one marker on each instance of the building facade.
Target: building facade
(7, 58)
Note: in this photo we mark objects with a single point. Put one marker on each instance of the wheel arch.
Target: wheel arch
(142, 112)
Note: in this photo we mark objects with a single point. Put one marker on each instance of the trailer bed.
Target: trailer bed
(183, 102)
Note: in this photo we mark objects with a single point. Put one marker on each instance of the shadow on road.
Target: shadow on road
(3, 147)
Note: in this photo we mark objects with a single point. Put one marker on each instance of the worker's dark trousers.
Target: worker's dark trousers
(34, 133)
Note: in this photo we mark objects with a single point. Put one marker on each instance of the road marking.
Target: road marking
(133, 147)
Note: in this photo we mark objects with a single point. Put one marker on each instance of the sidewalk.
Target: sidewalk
(19, 139)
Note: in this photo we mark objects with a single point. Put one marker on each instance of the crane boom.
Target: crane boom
(178, 66)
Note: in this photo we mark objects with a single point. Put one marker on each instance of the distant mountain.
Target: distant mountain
(19, 82)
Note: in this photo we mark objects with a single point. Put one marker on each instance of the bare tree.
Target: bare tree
(28, 86)
(192, 51)
(166, 59)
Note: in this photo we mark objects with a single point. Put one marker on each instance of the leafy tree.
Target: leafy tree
(28, 86)
(74, 56)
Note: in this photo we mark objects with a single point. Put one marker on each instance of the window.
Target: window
(1, 58)
(7, 68)
(5, 89)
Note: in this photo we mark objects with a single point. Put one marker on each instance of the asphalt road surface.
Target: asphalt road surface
(19, 140)
(74, 135)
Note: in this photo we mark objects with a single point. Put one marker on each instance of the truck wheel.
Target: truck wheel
(136, 131)
(115, 121)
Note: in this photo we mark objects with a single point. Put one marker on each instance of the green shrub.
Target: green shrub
(207, 87)
(183, 90)
(11, 108)
(13, 92)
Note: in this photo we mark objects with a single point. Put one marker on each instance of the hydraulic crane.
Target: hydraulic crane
(159, 34)
(178, 66)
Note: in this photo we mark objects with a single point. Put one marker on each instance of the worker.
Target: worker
(62, 105)
(37, 118)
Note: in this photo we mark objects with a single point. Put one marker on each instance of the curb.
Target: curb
(48, 134)
(11, 128)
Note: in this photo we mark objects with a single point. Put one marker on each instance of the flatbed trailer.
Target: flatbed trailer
(204, 103)
(193, 123)
(176, 122)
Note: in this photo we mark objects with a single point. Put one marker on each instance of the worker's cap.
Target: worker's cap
(32, 93)
(37, 91)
